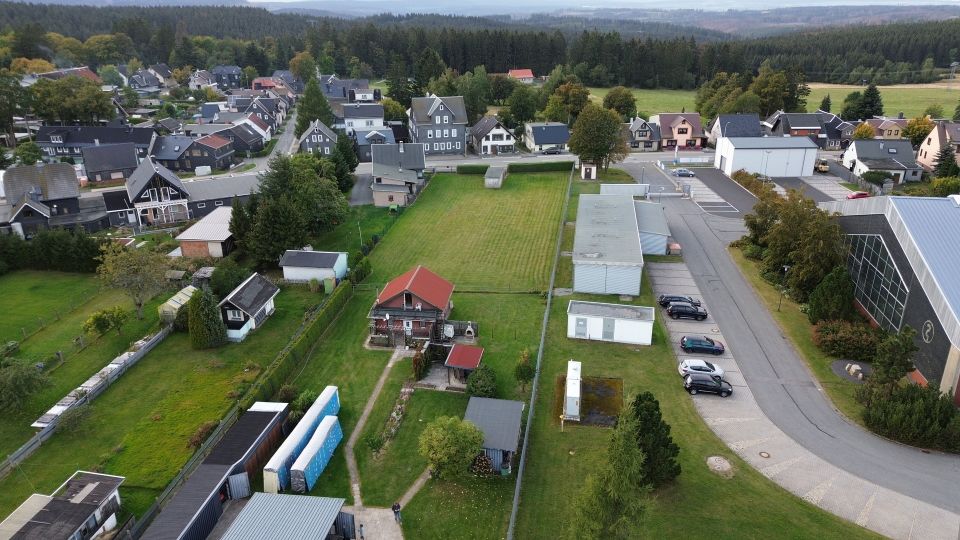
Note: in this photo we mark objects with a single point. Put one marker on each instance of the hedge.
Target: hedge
(277, 373)
(541, 166)
(472, 169)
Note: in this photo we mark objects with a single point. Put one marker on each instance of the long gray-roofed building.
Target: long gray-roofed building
(904, 253)
(291, 517)
(607, 257)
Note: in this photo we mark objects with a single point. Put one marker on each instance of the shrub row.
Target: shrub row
(916, 415)
(360, 271)
(541, 166)
(752, 182)
(277, 373)
(847, 340)
(472, 169)
(50, 249)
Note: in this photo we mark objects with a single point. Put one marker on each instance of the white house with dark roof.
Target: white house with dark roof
(351, 116)
(894, 157)
(540, 136)
(158, 196)
(317, 139)
(304, 265)
(248, 306)
(734, 125)
(490, 137)
(439, 123)
(201, 79)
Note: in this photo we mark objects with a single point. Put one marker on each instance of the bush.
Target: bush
(360, 272)
(917, 415)
(541, 166)
(482, 382)
(473, 169)
(847, 340)
(941, 187)
(420, 365)
(287, 393)
(71, 418)
(315, 286)
(752, 182)
(354, 258)
(374, 442)
(226, 276)
(182, 322)
(877, 178)
(752, 251)
(51, 249)
(833, 298)
(201, 434)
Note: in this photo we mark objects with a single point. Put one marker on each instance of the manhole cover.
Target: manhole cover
(720, 465)
(764, 455)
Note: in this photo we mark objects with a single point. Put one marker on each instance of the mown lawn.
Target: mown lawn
(477, 238)
(368, 220)
(140, 427)
(27, 295)
(656, 101)
(910, 101)
(796, 325)
(749, 505)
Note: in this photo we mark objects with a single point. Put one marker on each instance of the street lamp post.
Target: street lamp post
(766, 164)
(786, 268)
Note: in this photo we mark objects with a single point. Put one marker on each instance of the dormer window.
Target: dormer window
(56, 138)
(407, 300)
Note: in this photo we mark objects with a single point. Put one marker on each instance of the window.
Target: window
(446, 119)
(681, 131)
(56, 138)
(453, 132)
(439, 133)
(218, 203)
(326, 150)
(436, 146)
(201, 205)
(446, 133)
(369, 122)
(436, 119)
(878, 285)
(234, 315)
(928, 140)
(449, 146)
(458, 145)
(429, 133)
(389, 198)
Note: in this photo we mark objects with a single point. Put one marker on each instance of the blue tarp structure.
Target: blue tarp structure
(276, 473)
(314, 458)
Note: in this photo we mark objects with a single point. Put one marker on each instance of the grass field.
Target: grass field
(656, 101)
(27, 296)
(140, 426)
(368, 220)
(796, 325)
(478, 239)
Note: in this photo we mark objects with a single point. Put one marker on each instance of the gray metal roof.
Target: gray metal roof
(109, 157)
(213, 227)
(607, 231)
(549, 132)
(422, 107)
(772, 143)
(739, 125)
(498, 419)
(171, 147)
(223, 187)
(145, 172)
(310, 259)
(288, 517)
(361, 110)
(650, 218)
(50, 181)
(251, 295)
(390, 162)
(616, 311)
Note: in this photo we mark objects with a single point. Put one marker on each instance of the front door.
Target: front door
(581, 328)
(608, 325)
(408, 327)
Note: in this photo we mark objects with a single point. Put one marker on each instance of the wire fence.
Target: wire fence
(29, 330)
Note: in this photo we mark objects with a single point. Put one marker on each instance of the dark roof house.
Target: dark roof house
(109, 161)
(499, 420)
(247, 306)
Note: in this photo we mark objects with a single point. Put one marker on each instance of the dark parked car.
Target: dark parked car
(552, 150)
(701, 382)
(701, 344)
(667, 299)
(686, 311)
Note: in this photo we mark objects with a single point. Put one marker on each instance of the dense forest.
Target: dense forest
(70, 35)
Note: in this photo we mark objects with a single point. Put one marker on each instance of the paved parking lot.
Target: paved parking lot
(729, 191)
(803, 187)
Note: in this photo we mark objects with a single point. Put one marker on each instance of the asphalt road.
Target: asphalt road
(730, 191)
(803, 187)
(780, 381)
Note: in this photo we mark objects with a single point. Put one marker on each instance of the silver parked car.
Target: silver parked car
(695, 365)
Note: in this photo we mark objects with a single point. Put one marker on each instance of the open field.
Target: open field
(28, 295)
(139, 427)
(368, 220)
(796, 325)
(910, 100)
(478, 239)
(656, 101)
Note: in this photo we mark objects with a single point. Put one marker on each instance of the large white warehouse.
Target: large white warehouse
(607, 258)
(772, 156)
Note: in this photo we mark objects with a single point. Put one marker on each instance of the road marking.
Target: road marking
(713, 206)
(815, 495)
(867, 508)
(778, 468)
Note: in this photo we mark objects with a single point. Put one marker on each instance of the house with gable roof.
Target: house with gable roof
(943, 134)
(201, 79)
(317, 139)
(522, 75)
(47, 195)
(110, 161)
(157, 195)
(248, 306)
(734, 125)
(365, 138)
(894, 157)
(227, 77)
(440, 123)
(641, 135)
(163, 74)
(540, 136)
(680, 131)
(412, 307)
(489, 137)
(397, 173)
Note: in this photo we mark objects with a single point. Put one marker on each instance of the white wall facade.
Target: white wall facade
(653, 244)
(607, 279)
(624, 330)
(773, 162)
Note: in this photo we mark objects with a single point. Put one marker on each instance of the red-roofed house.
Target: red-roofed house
(522, 75)
(412, 306)
(82, 71)
(212, 150)
(462, 361)
(264, 83)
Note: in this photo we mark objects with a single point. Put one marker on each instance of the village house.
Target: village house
(181, 153)
(887, 128)
(210, 237)
(734, 125)
(440, 123)
(59, 142)
(317, 139)
(680, 131)
(641, 135)
(47, 195)
(546, 136)
(109, 161)
(247, 307)
(522, 75)
(201, 79)
(411, 307)
(397, 173)
(350, 116)
(227, 77)
(894, 157)
(489, 137)
(943, 134)
(365, 139)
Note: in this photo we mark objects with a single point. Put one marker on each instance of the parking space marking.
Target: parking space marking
(713, 207)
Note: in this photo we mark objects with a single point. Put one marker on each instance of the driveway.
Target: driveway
(792, 400)
(730, 191)
(361, 194)
(803, 187)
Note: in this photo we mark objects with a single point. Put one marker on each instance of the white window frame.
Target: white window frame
(234, 315)
(436, 120)
(446, 133)
(201, 205)
(429, 133)
(436, 146)
(458, 146)
(218, 203)
(453, 132)
(446, 119)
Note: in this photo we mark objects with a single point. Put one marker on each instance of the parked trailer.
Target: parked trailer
(276, 473)
(314, 458)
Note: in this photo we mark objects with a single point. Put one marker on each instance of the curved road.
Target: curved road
(781, 382)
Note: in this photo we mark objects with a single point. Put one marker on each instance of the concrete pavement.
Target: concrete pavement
(907, 488)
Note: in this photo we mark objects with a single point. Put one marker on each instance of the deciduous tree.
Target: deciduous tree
(28, 153)
(863, 131)
(304, 66)
(140, 273)
(596, 136)
(31, 65)
(393, 110)
(917, 129)
(449, 445)
(933, 111)
(19, 380)
(522, 104)
(621, 100)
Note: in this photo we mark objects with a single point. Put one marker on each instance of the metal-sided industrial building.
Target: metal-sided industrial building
(610, 322)
(224, 474)
(607, 257)
(292, 517)
(276, 473)
(772, 156)
(652, 227)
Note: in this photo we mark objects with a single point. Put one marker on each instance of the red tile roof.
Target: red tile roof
(464, 356)
(521, 73)
(213, 141)
(258, 122)
(82, 71)
(423, 283)
(264, 82)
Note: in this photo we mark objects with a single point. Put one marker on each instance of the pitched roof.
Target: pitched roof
(162, 70)
(245, 133)
(666, 121)
(50, 181)
(171, 147)
(82, 71)
(226, 70)
(281, 515)
(949, 131)
(145, 172)
(638, 123)
(401, 161)
(483, 126)
(520, 73)
(310, 259)
(901, 150)
(251, 295)
(25, 202)
(97, 134)
(213, 141)
(213, 227)
(464, 356)
(171, 124)
(549, 132)
(801, 120)
(361, 110)
(423, 283)
(498, 419)
(772, 142)
(738, 125)
(223, 187)
(423, 109)
(257, 121)
(368, 136)
(317, 127)
(109, 157)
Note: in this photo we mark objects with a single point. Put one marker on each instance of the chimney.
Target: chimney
(96, 142)
(900, 115)
(401, 147)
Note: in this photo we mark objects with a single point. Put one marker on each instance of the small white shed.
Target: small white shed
(304, 265)
(618, 323)
(571, 398)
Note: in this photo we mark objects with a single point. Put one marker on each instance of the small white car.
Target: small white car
(695, 365)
